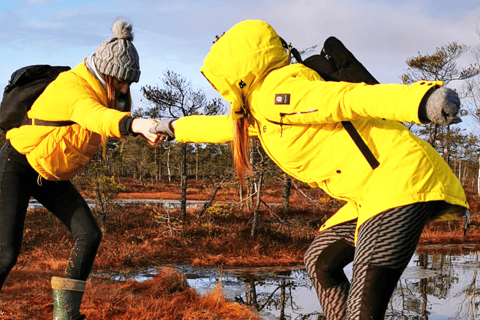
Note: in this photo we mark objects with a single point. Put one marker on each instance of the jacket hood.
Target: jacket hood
(241, 58)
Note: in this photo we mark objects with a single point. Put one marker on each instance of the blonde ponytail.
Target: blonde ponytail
(240, 146)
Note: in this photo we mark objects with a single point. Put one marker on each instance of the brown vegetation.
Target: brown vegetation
(448, 236)
(141, 236)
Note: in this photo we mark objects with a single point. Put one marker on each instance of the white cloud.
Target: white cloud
(177, 35)
(380, 34)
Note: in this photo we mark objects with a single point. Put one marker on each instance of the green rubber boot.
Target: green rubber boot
(67, 297)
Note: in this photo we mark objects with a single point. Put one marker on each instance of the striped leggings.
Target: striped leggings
(385, 245)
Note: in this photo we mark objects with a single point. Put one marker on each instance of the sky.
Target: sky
(177, 35)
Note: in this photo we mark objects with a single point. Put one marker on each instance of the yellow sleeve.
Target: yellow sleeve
(304, 101)
(206, 129)
(93, 116)
(70, 97)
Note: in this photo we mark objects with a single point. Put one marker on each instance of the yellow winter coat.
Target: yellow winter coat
(58, 153)
(298, 118)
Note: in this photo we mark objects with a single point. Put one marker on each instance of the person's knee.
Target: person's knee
(89, 238)
(330, 263)
(94, 238)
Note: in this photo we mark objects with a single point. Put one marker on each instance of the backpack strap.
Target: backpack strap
(38, 122)
(336, 63)
(361, 145)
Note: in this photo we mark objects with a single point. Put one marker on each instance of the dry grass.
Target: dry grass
(451, 232)
(137, 237)
(166, 296)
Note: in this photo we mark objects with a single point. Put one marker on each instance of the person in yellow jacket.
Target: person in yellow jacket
(38, 161)
(297, 117)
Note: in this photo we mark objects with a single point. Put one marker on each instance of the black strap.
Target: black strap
(336, 63)
(296, 55)
(367, 153)
(38, 122)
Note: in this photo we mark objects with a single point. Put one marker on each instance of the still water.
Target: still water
(433, 287)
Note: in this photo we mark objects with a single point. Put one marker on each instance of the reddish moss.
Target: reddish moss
(137, 237)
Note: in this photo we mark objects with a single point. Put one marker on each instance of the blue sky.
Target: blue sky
(177, 35)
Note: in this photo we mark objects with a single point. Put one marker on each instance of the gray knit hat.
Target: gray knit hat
(117, 57)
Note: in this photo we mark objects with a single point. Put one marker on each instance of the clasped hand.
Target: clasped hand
(153, 130)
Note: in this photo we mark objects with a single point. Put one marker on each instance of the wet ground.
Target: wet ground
(168, 204)
(434, 287)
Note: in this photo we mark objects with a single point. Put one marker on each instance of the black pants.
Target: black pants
(19, 182)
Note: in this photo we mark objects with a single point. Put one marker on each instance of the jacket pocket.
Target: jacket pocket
(72, 155)
(65, 160)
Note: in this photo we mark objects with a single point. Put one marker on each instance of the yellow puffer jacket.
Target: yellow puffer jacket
(298, 118)
(58, 153)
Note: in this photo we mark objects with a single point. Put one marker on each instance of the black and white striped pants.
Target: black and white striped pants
(385, 245)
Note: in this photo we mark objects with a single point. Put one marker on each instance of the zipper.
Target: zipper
(284, 114)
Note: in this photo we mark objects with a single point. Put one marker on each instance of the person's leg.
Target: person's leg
(65, 202)
(325, 259)
(15, 177)
(385, 245)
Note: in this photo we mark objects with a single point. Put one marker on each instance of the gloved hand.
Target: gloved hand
(164, 129)
(142, 127)
(440, 106)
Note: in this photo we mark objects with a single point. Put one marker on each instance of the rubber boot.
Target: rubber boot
(67, 297)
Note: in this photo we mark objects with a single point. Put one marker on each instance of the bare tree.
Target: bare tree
(174, 100)
(471, 93)
(439, 66)
(287, 186)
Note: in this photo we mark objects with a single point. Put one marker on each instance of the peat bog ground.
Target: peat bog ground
(139, 236)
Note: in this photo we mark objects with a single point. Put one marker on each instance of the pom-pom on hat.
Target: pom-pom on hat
(117, 57)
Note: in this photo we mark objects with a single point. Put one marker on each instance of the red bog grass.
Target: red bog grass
(166, 296)
(137, 237)
(452, 232)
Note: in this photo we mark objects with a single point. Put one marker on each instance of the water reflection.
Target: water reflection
(452, 294)
(433, 287)
(279, 293)
(167, 204)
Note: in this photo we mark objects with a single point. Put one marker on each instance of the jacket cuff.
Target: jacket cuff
(125, 127)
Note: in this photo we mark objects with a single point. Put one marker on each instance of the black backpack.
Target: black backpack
(23, 88)
(336, 63)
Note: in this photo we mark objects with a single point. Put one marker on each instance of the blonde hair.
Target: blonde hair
(111, 104)
(111, 95)
(240, 148)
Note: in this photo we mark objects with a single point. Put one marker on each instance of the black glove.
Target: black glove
(440, 106)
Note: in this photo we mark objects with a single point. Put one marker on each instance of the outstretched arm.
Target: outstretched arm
(320, 102)
(198, 129)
